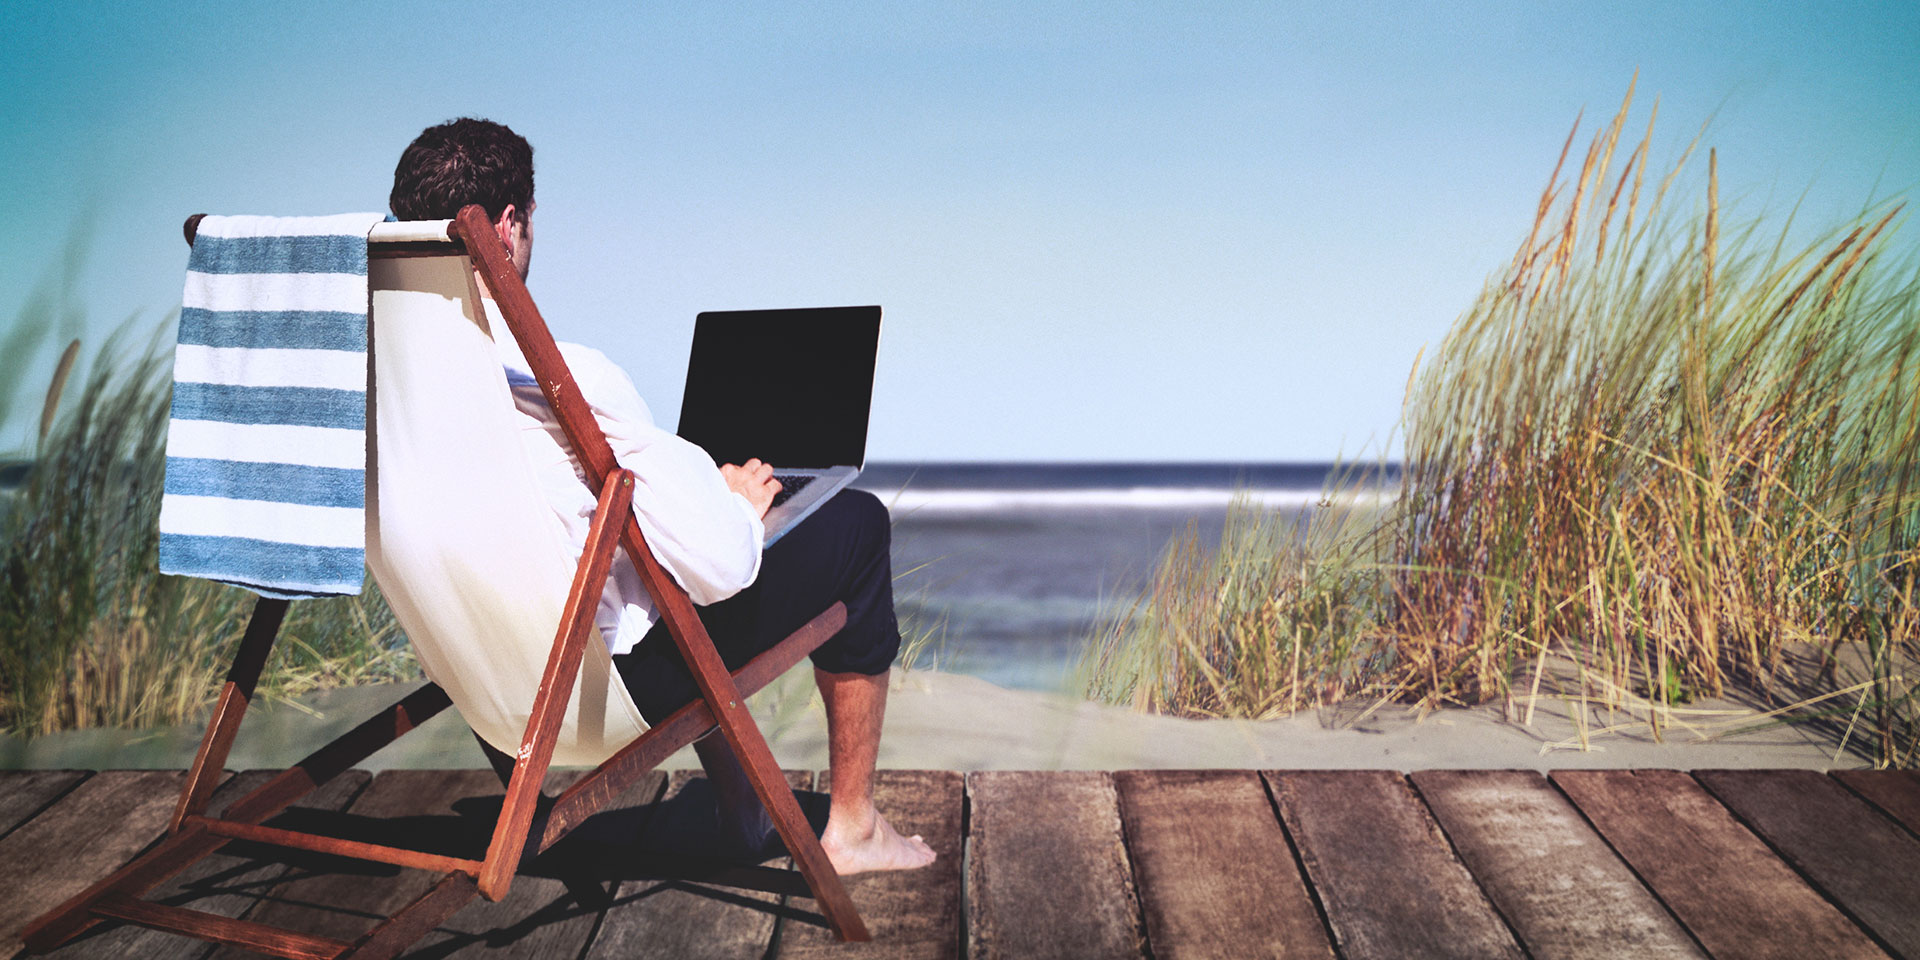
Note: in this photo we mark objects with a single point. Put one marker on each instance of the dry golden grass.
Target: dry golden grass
(1663, 452)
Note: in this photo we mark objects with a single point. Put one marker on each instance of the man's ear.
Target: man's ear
(504, 227)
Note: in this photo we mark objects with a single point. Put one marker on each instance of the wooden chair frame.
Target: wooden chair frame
(193, 835)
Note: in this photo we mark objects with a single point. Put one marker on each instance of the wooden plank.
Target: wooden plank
(90, 833)
(1387, 878)
(559, 898)
(1734, 894)
(449, 812)
(341, 898)
(412, 922)
(655, 917)
(912, 914)
(1217, 875)
(228, 882)
(24, 793)
(1895, 792)
(1865, 862)
(1562, 889)
(1047, 872)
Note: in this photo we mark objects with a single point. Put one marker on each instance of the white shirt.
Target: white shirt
(706, 535)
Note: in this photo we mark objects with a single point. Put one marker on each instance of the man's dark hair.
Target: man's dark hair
(460, 162)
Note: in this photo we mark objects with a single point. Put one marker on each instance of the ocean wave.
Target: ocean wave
(908, 500)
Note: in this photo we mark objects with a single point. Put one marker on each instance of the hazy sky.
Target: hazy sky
(1099, 231)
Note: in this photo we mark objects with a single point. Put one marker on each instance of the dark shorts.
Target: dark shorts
(840, 553)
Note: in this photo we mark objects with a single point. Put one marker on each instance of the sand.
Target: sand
(957, 722)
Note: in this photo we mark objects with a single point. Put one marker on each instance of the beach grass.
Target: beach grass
(1659, 446)
(91, 634)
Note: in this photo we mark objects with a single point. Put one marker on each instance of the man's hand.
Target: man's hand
(753, 480)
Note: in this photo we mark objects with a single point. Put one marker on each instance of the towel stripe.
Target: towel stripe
(277, 482)
(295, 406)
(332, 253)
(299, 571)
(267, 443)
(291, 523)
(269, 329)
(242, 367)
(337, 292)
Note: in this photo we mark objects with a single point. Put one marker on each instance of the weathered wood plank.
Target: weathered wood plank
(558, 899)
(94, 829)
(1048, 874)
(24, 793)
(344, 898)
(1733, 893)
(1555, 880)
(911, 913)
(1390, 883)
(1865, 862)
(449, 812)
(653, 917)
(227, 883)
(1217, 876)
(1897, 792)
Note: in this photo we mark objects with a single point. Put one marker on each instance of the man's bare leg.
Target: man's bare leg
(858, 838)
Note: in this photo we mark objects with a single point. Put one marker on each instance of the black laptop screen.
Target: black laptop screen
(792, 387)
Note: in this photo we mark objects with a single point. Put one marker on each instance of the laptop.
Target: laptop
(792, 387)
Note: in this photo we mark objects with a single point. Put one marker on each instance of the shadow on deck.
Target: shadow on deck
(1162, 864)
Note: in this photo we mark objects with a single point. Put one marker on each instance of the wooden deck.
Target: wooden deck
(1161, 864)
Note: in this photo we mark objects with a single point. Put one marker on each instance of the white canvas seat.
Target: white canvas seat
(469, 555)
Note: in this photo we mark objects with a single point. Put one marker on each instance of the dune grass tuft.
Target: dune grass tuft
(1662, 447)
(90, 633)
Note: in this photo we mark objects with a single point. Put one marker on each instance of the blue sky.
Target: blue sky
(1099, 231)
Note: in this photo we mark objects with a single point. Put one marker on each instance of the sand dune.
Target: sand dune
(951, 721)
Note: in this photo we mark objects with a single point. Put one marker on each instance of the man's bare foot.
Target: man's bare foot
(879, 847)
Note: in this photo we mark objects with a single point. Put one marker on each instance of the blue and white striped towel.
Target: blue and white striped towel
(266, 452)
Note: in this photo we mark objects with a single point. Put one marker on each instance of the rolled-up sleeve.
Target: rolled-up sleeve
(707, 536)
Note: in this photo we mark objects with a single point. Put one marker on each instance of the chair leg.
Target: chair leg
(510, 833)
(790, 821)
(750, 748)
(743, 735)
(248, 661)
(190, 844)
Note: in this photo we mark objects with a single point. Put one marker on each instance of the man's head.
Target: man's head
(470, 161)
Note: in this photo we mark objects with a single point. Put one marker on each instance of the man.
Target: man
(703, 524)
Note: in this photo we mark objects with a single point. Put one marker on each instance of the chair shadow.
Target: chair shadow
(612, 860)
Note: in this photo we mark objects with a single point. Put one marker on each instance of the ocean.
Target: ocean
(1015, 565)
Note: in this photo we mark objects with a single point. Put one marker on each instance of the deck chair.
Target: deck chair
(489, 604)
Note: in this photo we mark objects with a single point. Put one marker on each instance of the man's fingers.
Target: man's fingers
(755, 470)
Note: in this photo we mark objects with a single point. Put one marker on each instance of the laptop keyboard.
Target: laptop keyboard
(791, 484)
